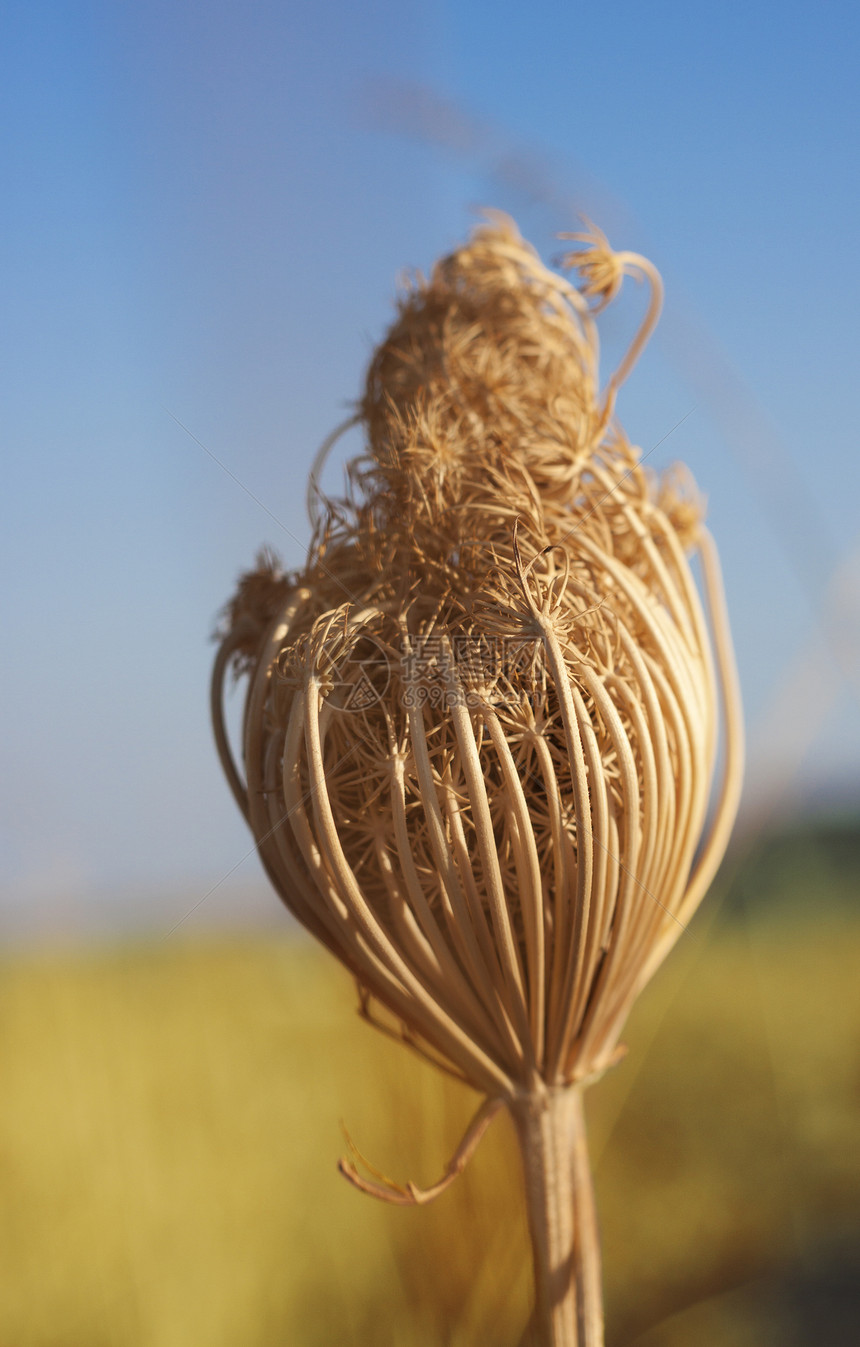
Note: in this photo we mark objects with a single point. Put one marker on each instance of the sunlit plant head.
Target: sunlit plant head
(482, 723)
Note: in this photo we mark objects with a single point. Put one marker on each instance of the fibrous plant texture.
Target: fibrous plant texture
(482, 724)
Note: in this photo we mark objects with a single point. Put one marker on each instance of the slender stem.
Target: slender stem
(562, 1218)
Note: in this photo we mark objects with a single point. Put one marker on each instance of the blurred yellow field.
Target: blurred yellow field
(171, 1122)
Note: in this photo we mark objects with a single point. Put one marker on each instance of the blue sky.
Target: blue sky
(205, 211)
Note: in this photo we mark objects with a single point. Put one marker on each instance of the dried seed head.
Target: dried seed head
(482, 725)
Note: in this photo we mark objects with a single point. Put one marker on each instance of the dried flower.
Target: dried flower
(481, 724)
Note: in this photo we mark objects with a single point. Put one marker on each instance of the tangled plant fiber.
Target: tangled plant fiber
(482, 724)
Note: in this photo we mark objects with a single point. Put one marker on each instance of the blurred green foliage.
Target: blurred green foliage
(171, 1121)
(812, 862)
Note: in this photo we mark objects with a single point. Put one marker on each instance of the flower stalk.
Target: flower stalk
(562, 1218)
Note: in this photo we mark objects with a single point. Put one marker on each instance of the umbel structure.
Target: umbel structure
(491, 748)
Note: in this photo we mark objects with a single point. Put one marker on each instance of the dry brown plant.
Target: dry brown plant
(482, 724)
